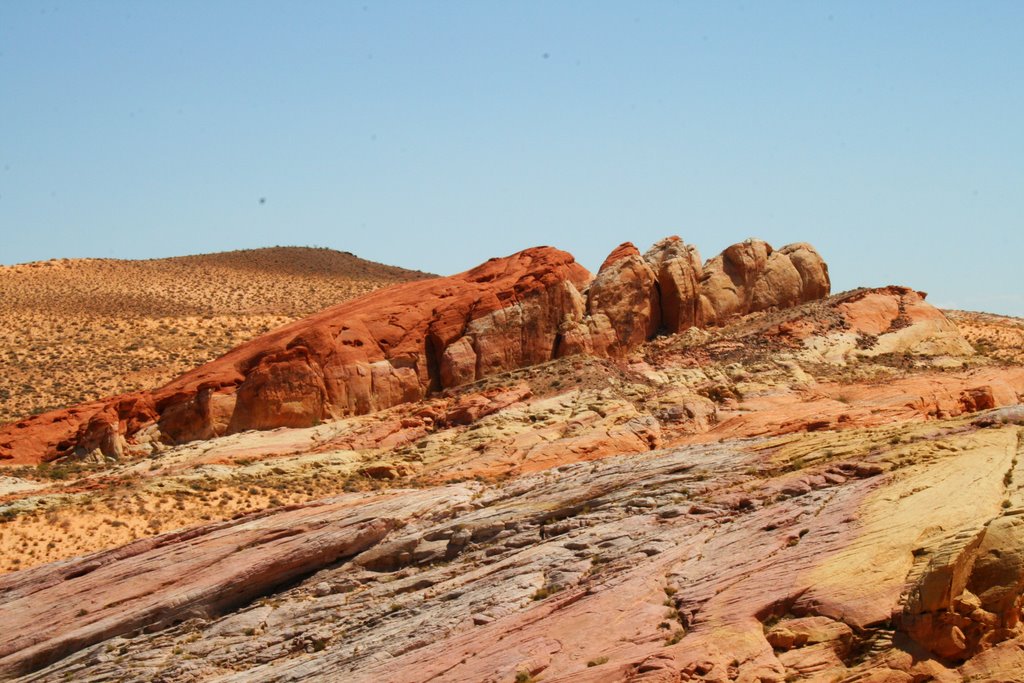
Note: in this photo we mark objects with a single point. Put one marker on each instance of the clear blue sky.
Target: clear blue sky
(434, 135)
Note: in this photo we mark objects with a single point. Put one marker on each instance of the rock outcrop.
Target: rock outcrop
(751, 276)
(392, 346)
(679, 271)
(203, 573)
(624, 299)
(871, 323)
(622, 309)
(399, 344)
(771, 559)
(902, 321)
(968, 596)
(668, 290)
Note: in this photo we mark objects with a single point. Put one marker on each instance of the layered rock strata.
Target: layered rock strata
(399, 344)
(832, 557)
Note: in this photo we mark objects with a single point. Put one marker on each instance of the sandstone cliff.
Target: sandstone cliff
(400, 344)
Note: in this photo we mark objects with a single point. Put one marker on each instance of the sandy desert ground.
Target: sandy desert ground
(72, 330)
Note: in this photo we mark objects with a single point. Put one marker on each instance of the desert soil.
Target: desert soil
(73, 330)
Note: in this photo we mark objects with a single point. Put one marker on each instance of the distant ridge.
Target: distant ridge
(76, 329)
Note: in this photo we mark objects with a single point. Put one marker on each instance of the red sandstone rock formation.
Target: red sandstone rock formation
(678, 270)
(667, 289)
(624, 293)
(399, 344)
(751, 276)
(623, 308)
(390, 347)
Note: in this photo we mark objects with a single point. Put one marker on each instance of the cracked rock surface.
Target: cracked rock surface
(759, 559)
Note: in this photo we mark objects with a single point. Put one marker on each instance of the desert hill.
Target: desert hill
(73, 330)
(999, 336)
(671, 470)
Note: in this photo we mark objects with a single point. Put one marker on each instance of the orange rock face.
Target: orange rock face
(678, 270)
(623, 303)
(882, 310)
(390, 347)
(751, 276)
(399, 344)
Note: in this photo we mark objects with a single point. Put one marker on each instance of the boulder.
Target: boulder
(997, 578)
(751, 276)
(813, 271)
(624, 297)
(469, 409)
(458, 363)
(729, 278)
(968, 598)
(678, 269)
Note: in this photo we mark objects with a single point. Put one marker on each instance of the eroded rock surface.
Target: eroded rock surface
(770, 559)
(400, 344)
(769, 500)
(751, 276)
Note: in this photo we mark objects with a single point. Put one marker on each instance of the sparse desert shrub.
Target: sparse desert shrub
(797, 463)
(546, 591)
(720, 393)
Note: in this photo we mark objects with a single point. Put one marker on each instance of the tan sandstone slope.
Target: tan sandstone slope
(72, 330)
(669, 471)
